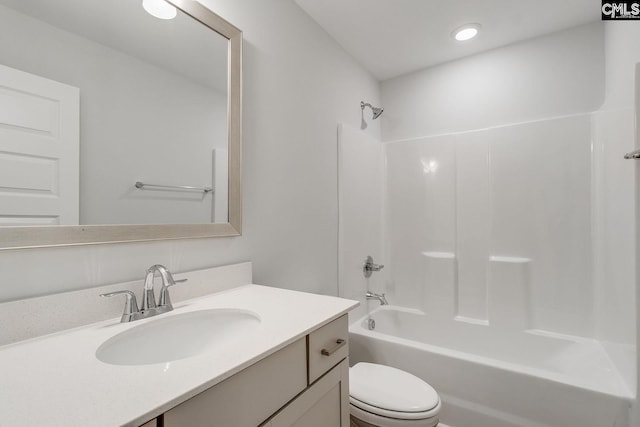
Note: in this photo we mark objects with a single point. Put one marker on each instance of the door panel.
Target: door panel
(39, 150)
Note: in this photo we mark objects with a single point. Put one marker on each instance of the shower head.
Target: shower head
(376, 111)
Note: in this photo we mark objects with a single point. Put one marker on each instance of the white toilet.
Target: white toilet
(382, 396)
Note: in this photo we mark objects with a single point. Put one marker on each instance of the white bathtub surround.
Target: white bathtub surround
(497, 233)
(486, 378)
(510, 292)
(62, 383)
(615, 253)
(441, 269)
(500, 231)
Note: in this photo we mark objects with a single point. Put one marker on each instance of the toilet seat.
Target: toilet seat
(380, 421)
(398, 415)
(391, 393)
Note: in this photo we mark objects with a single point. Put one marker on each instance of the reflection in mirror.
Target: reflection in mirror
(109, 116)
(97, 95)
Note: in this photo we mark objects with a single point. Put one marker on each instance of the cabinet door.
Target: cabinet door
(324, 404)
(249, 397)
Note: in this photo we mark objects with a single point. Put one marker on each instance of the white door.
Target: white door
(39, 150)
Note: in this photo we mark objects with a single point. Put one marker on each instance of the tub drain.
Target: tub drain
(371, 324)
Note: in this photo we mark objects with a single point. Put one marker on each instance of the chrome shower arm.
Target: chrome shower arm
(376, 111)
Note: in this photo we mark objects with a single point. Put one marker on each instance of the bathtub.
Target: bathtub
(488, 377)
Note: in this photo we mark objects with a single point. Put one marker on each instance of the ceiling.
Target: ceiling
(181, 45)
(394, 37)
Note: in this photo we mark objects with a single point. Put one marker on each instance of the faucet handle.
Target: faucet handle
(165, 299)
(369, 267)
(130, 305)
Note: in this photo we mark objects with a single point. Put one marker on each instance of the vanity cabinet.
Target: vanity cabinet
(304, 384)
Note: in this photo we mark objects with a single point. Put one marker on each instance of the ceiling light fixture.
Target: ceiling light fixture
(466, 32)
(160, 9)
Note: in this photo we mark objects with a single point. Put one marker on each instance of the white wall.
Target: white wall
(298, 84)
(306, 86)
(549, 76)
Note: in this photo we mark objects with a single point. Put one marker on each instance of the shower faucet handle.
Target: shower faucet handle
(369, 267)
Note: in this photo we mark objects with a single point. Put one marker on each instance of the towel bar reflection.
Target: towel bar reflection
(141, 185)
(632, 155)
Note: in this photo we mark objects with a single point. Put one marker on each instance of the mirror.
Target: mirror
(116, 125)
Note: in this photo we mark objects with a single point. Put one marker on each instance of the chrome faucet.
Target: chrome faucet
(149, 307)
(149, 298)
(380, 297)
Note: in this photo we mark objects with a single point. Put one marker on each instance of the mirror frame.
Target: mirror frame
(71, 235)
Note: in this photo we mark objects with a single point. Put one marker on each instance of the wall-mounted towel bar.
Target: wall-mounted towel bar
(141, 185)
(633, 155)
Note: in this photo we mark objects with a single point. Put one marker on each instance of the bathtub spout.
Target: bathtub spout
(380, 297)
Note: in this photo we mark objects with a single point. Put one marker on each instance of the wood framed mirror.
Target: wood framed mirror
(153, 105)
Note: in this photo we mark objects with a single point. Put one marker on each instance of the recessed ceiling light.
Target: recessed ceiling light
(160, 9)
(466, 32)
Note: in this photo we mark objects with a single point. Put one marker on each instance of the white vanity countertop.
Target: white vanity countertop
(56, 380)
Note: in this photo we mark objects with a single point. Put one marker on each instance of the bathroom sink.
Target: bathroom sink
(175, 337)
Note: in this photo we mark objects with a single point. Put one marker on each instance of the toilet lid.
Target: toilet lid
(390, 389)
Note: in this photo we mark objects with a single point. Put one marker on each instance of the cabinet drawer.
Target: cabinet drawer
(248, 397)
(327, 347)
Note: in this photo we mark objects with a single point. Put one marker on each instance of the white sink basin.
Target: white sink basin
(175, 337)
